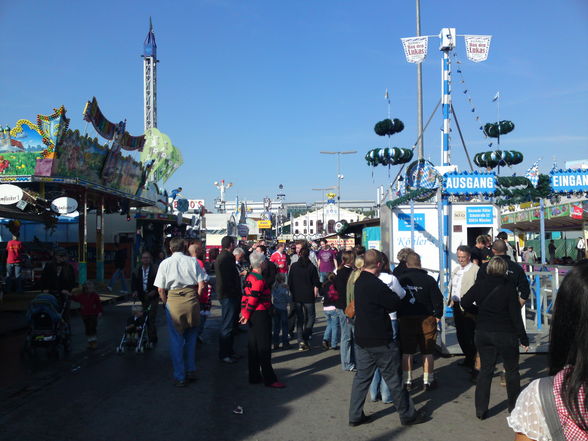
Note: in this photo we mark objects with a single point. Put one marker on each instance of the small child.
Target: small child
(91, 309)
(280, 300)
(330, 296)
(205, 306)
(135, 324)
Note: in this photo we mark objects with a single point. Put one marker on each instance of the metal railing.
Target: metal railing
(544, 286)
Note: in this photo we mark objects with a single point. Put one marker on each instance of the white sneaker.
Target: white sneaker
(109, 288)
(123, 292)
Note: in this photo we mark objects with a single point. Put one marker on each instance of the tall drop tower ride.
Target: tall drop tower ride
(150, 78)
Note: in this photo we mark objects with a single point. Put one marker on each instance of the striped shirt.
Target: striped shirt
(257, 296)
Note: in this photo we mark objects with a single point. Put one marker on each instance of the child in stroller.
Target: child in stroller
(135, 331)
(47, 327)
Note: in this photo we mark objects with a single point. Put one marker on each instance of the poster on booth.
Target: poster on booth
(415, 48)
(425, 235)
(477, 47)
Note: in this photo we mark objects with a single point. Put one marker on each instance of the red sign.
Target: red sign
(577, 212)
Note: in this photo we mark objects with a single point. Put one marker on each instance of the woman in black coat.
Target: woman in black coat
(304, 284)
(499, 329)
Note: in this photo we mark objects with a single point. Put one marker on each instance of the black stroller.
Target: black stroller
(135, 335)
(47, 327)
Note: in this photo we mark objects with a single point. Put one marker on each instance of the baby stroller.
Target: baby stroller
(47, 328)
(135, 335)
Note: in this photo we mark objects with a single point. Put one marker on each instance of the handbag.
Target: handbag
(350, 310)
(550, 409)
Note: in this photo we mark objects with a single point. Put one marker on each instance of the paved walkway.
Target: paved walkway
(131, 397)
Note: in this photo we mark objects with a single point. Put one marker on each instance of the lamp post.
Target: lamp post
(324, 200)
(339, 175)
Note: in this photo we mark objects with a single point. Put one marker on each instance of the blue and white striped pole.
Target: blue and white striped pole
(446, 106)
(447, 36)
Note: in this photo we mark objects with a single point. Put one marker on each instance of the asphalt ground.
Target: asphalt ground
(101, 395)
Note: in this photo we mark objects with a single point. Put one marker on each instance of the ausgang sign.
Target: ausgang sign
(469, 183)
(10, 194)
(64, 205)
(563, 181)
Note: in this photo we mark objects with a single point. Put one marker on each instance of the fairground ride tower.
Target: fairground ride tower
(150, 78)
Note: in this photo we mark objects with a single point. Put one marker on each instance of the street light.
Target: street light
(324, 200)
(339, 176)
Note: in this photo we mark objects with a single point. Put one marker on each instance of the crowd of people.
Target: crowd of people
(378, 318)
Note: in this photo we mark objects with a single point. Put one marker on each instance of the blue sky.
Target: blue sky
(251, 91)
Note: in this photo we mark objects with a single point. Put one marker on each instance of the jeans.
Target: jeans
(490, 345)
(346, 346)
(182, 348)
(387, 359)
(230, 312)
(305, 317)
(323, 276)
(259, 350)
(379, 387)
(333, 329)
(200, 328)
(13, 274)
(118, 274)
(280, 320)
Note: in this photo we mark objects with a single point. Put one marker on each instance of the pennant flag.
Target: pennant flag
(386, 96)
(533, 173)
(554, 167)
(496, 96)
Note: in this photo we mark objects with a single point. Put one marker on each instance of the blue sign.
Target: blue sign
(404, 222)
(564, 181)
(479, 215)
(469, 183)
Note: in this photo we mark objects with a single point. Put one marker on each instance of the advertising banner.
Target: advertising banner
(477, 47)
(85, 158)
(264, 224)
(564, 181)
(469, 183)
(415, 48)
(404, 222)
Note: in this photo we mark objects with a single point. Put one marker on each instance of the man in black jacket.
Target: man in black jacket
(515, 274)
(374, 346)
(142, 287)
(228, 288)
(418, 315)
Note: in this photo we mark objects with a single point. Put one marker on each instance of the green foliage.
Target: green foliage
(388, 156)
(388, 127)
(497, 158)
(509, 196)
(494, 130)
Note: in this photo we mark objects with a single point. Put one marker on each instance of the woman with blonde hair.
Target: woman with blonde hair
(499, 329)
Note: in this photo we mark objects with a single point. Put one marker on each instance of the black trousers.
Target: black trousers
(465, 328)
(90, 324)
(490, 345)
(305, 318)
(259, 348)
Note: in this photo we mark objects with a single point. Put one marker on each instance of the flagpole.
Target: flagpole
(420, 143)
(389, 117)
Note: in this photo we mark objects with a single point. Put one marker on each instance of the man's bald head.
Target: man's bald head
(413, 260)
(499, 247)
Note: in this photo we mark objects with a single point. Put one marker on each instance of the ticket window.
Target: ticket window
(474, 232)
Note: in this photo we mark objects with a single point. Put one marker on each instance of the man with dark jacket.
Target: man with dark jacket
(142, 280)
(304, 284)
(374, 347)
(418, 315)
(515, 273)
(228, 288)
(346, 345)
